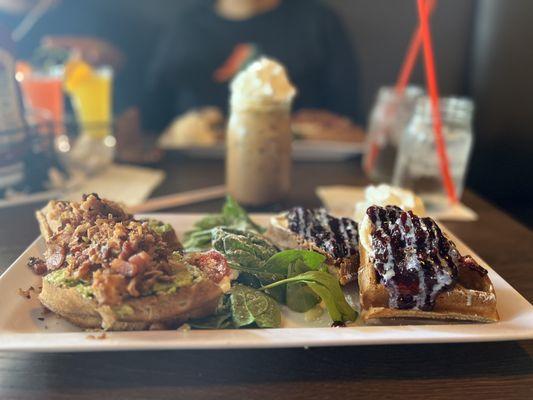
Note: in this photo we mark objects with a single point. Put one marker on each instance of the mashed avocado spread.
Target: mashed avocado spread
(159, 227)
(185, 277)
(62, 278)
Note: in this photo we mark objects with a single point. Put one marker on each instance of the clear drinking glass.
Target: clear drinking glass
(417, 165)
(44, 99)
(92, 101)
(388, 119)
(93, 149)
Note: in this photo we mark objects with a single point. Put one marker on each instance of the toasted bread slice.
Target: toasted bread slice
(338, 240)
(105, 269)
(56, 214)
(470, 298)
(158, 310)
(47, 224)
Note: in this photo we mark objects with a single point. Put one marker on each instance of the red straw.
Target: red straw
(412, 53)
(431, 77)
(403, 79)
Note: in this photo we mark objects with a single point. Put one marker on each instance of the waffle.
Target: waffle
(314, 229)
(466, 292)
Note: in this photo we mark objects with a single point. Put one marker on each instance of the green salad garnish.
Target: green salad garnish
(242, 307)
(233, 216)
(267, 276)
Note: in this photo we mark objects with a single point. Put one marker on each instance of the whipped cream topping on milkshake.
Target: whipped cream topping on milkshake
(264, 82)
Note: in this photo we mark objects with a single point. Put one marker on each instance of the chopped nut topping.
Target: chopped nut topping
(99, 243)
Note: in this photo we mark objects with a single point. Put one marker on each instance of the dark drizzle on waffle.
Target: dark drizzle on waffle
(414, 260)
(336, 236)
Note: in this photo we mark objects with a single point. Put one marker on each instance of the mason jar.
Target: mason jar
(388, 118)
(417, 165)
(258, 162)
(259, 136)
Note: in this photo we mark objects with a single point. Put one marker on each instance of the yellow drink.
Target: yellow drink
(91, 98)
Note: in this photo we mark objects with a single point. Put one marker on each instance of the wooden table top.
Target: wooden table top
(474, 371)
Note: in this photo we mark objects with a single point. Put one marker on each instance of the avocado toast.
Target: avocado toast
(105, 269)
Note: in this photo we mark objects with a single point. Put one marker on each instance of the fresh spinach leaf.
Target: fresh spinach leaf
(210, 221)
(244, 250)
(244, 306)
(199, 240)
(247, 252)
(250, 306)
(288, 263)
(327, 287)
(299, 296)
(221, 319)
(236, 217)
(279, 263)
(232, 216)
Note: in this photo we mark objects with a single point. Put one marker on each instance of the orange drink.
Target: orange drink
(91, 95)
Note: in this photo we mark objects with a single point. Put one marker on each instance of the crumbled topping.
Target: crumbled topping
(100, 336)
(26, 292)
(100, 244)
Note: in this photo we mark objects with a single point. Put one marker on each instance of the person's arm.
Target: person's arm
(340, 72)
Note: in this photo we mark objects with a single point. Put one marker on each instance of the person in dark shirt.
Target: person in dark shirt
(211, 40)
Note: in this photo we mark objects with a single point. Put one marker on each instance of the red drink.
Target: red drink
(43, 96)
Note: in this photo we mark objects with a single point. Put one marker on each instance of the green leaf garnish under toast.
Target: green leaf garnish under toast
(221, 319)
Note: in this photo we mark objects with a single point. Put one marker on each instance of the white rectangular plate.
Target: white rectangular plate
(22, 330)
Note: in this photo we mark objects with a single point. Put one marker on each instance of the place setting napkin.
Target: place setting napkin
(340, 200)
(126, 184)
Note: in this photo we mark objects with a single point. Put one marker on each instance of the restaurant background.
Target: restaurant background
(469, 254)
(479, 45)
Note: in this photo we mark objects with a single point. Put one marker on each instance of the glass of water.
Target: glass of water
(417, 164)
(388, 119)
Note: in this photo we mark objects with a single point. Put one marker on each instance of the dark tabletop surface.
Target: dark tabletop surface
(474, 371)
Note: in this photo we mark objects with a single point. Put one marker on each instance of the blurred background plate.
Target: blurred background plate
(302, 150)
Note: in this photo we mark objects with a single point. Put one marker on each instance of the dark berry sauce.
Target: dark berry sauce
(336, 236)
(412, 257)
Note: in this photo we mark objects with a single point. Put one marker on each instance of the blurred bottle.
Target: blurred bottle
(417, 165)
(12, 125)
(388, 119)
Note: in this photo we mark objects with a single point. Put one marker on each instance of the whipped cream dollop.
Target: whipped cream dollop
(386, 195)
(265, 82)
